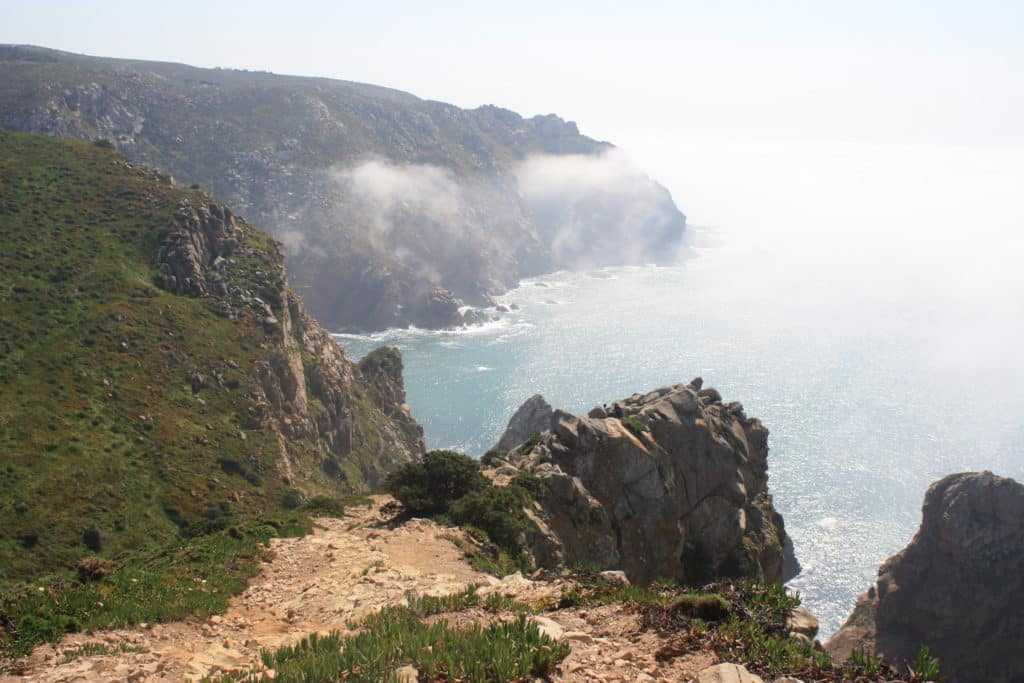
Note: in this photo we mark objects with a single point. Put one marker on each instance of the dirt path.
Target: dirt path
(347, 569)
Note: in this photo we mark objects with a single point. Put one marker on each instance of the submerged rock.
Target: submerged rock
(958, 586)
(672, 484)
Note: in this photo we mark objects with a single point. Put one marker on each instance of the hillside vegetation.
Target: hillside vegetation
(131, 416)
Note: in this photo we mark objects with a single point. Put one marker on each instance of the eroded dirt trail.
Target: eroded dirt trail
(347, 569)
(343, 571)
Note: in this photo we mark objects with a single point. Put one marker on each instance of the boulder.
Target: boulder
(727, 673)
(669, 484)
(533, 416)
(958, 586)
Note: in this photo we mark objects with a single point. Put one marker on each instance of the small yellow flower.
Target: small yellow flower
(134, 580)
(42, 590)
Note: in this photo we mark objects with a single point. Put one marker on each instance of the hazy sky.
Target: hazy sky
(912, 71)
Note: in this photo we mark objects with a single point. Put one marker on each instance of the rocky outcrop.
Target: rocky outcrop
(727, 673)
(958, 586)
(201, 239)
(533, 416)
(672, 483)
(395, 211)
(333, 420)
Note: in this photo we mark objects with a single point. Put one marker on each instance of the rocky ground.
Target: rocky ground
(345, 570)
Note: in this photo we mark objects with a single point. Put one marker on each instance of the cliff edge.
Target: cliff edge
(668, 484)
(958, 586)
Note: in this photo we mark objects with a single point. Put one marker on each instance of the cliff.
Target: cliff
(668, 484)
(159, 377)
(956, 588)
(393, 210)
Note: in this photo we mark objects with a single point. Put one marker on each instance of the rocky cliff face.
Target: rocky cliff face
(958, 586)
(672, 483)
(393, 210)
(302, 387)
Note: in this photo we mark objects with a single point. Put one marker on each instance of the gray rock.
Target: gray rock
(685, 497)
(802, 621)
(727, 673)
(958, 586)
(615, 576)
(533, 416)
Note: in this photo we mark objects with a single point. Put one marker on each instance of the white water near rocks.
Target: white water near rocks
(881, 357)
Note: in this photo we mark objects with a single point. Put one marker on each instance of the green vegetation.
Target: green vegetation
(530, 443)
(450, 486)
(505, 651)
(93, 649)
(431, 486)
(113, 448)
(196, 577)
(493, 456)
(743, 622)
(925, 667)
(635, 425)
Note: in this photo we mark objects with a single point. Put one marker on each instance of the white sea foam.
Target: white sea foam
(828, 523)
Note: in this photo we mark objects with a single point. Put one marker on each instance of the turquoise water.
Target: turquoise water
(872, 385)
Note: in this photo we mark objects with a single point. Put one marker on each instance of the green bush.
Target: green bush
(493, 456)
(529, 444)
(429, 487)
(497, 511)
(635, 425)
(450, 485)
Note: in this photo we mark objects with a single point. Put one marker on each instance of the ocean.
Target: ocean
(879, 360)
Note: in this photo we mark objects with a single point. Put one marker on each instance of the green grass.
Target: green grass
(97, 649)
(196, 577)
(503, 652)
(635, 425)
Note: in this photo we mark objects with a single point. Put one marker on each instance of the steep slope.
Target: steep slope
(393, 209)
(157, 377)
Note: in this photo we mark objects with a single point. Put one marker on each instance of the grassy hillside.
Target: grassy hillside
(109, 443)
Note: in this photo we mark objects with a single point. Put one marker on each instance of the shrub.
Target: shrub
(92, 539)
(430, 486)
(492, 457)
(498, 512)
(291, 499)
(325, 506)
(635, 425)
(528, 445)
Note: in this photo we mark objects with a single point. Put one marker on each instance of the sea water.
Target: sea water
(881, 354)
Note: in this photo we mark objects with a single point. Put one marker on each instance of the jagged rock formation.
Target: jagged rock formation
(672, 483)
(533, 416)
(394, 210)
(958, 586)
